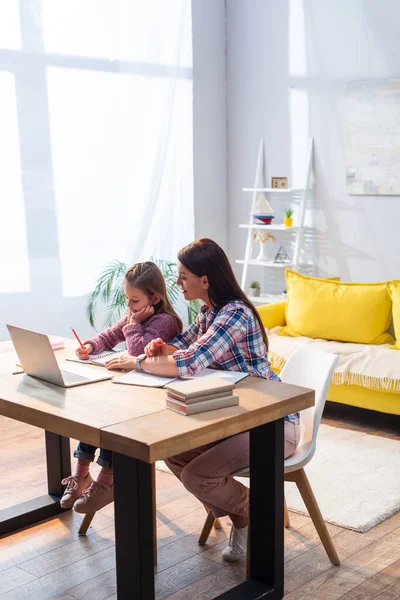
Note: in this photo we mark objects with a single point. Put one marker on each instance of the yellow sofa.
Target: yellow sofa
(386, 401)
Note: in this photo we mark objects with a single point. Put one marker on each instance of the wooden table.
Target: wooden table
(134, 424)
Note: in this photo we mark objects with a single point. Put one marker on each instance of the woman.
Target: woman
(227, 334)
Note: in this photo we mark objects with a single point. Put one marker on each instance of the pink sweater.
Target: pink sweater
(136, 335)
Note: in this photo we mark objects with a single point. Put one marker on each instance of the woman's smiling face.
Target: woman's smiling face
(193, 287)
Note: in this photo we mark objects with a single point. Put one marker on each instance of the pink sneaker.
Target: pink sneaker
(75, 486)
(94, 498)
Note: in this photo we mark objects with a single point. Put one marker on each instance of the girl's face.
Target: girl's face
(193, 287)
(136, 299)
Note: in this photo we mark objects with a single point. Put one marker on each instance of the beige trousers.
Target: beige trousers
(206, 472)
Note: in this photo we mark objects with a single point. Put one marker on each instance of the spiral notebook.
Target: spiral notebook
(97, 359)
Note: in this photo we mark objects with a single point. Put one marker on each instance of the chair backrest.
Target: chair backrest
(312, 369)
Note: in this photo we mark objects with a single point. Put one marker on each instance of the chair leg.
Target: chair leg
(87, 519)
(153, 483)
(286, 519)
(205, 532)
(309, 500)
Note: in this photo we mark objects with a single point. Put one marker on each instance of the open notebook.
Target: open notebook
(97, 359)
(147, 380)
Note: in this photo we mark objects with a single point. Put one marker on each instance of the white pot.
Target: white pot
(255, 292)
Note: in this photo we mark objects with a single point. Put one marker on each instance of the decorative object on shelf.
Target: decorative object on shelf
(262, 210)
(279, 182)
(288, 221)
(262, 237)
(254, 288)
(281, 256)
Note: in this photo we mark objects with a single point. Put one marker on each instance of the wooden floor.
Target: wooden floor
(51, 561)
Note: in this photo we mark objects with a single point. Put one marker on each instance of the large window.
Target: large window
(101, 112)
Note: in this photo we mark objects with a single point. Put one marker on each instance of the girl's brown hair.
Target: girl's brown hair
(205, 257)
(147, 277)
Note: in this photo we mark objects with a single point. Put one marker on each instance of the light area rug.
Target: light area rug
(355, 478)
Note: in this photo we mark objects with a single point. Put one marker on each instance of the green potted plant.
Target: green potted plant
(288, 221)
(109, 292)
(255, 288)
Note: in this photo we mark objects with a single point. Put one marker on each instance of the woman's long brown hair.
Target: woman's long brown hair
(147, 277)
(205, 258)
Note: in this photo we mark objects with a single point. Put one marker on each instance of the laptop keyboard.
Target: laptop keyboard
(73, 377)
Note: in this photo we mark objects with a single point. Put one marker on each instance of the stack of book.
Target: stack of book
(193, 396)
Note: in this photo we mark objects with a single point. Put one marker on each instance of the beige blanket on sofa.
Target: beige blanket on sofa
(375, 367)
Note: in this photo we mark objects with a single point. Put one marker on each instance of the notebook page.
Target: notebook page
(231, 376)
(144, 379)
(99, 359)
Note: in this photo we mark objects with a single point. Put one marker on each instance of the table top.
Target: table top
(133, 420)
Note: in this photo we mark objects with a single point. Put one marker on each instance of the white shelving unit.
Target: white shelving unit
(297, 231)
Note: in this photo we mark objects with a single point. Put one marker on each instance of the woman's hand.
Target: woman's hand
(141, 315)
(158, 347)
(122, 361)
(81, 354)
(155, 348)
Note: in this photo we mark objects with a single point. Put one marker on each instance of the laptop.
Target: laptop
(38, 360)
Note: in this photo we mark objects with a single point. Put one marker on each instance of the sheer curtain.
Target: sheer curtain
(96, 140)
(120, 115)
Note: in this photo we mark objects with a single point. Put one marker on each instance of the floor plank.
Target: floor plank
(50, 562)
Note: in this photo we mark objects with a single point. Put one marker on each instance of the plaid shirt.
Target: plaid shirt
(228, 338)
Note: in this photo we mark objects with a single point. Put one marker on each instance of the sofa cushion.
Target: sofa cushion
(394, 291)
(333, 310)
(365, 365)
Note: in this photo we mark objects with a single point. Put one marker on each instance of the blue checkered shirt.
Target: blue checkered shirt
(227, 338)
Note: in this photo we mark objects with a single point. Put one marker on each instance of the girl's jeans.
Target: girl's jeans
(87, 452)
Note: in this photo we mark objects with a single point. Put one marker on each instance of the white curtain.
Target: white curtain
(121, 140)
(115, 102)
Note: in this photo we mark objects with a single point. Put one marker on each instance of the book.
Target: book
(136, 377)
(210, 396)
(199, 407)
(199, 387)
(97, 359)
(56, 342)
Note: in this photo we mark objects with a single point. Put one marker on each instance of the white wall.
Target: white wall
(209, 120)
(287, 67)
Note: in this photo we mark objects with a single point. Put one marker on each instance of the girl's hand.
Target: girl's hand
(123, 361)
(156, 347)
(81, 354)
(141, 315)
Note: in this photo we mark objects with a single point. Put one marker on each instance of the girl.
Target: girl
(227, 334)
(150, 314)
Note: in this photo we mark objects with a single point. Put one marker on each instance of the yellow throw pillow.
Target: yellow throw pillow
(394, 291)
(333, 310)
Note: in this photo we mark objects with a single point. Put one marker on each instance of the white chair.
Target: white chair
(312, 369)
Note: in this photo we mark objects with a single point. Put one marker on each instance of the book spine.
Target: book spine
(195, 399)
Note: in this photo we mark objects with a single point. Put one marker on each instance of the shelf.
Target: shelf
(264, 263)
(276, 190)
(279, 227)
(267, 298)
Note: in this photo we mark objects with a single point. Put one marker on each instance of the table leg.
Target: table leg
(38, 509)
(134, 547)
(266, 516)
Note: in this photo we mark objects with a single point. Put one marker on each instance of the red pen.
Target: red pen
(162, 344)
(80, 343)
